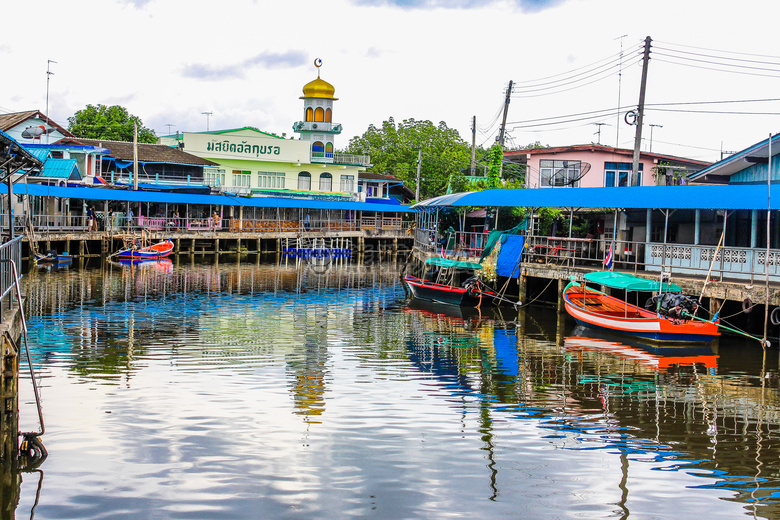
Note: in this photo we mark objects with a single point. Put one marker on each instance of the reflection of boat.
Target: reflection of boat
(158, 250)
(449, 281)
(158, 264)
(596, 309)
(429, 307)
(660, 359)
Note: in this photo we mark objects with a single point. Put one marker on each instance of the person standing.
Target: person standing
(129, 217)
(91, 220)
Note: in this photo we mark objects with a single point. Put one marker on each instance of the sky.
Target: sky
(572, 64)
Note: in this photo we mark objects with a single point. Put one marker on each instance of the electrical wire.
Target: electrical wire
(717, 50)
(716, 57)
(615, 63)
(618, 55)
(698, 60)
(718, 70)
(547, 91)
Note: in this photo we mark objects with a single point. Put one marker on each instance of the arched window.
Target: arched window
(328, 115)
(317, 149)
(319, 114)
(326, 182)
(309, 114)
(329, 150)
(304, 181)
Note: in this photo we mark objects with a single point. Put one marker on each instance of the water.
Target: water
(248, 390)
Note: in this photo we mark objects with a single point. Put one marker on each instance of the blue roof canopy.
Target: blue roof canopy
(641, 197)
(161, 197)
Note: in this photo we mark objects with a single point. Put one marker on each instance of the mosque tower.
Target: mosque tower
(317, 126)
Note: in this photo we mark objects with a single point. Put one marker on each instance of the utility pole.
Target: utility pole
(417, 188)
(599, 125)
(473, 145)
(620, 82)
(640, 112)
(135, 156)
(503, 127)
(49, 74)
(651, 135)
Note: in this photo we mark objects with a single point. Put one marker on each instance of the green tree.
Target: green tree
(394, 149)
(112, 123)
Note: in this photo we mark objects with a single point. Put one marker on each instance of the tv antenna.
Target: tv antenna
(49, 74)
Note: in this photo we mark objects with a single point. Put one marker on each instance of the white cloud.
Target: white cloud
(246, 62)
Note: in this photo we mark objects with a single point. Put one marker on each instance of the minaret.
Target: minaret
(317, 126)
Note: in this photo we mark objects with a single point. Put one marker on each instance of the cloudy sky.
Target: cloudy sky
(442, 60)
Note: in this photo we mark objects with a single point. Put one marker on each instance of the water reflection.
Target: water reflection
(240, 389)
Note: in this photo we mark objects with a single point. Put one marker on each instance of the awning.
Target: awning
(161, 197)
(629, 282)
(729, 197)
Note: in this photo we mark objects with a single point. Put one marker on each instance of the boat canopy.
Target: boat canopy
(629, 282)
(446, 262)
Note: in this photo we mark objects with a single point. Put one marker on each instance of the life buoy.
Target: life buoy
(747, 306)
(775, 316)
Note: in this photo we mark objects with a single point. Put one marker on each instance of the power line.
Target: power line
(717, 63)
(717, 57)
(717, 70)
(721, 51)
(613, 56)
(613, 71)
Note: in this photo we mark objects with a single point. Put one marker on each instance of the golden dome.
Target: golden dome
(318, 89)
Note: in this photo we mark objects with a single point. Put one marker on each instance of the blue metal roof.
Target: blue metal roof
(752, 196)
(108, 194)
(738, 162)
(59, 169)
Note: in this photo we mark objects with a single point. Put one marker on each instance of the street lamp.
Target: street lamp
(651, 136)
(207, 114)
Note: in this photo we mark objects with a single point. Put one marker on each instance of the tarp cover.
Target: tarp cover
(628, 282)
(496, 234)
(446, 262)
(509, 255)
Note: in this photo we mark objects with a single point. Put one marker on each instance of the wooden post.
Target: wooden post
(561, 285)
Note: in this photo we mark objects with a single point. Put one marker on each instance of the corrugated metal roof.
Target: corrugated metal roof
(39, 153)
(107, 194)
(663, 197)
(60, 169)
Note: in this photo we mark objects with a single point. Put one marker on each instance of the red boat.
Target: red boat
(158, 250)
(598, 310)
(450, 281)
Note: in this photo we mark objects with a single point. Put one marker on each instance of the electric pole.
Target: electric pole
(651, 135)
(598, 132)
(417, 188)
(640, 112)
(503, 127)
(473, 145)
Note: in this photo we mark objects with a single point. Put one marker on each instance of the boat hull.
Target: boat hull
(439, 293)
(600, 311)
(159, 250)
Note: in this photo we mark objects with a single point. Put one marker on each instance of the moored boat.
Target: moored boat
(599, 310)
(449, 281)
(52, 257)
(158, 250)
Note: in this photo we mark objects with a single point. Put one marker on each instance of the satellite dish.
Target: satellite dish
(561, 176)
(35, 132)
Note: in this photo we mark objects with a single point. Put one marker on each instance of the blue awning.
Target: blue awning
(661, 197)
(161, 197)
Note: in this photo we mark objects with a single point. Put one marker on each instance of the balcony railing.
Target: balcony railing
(726, 263)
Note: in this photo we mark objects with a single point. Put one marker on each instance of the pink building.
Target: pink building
(598, 166)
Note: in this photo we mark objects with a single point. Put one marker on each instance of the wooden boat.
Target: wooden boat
(52, 257)
(158, 250)
(449, 281)
(599, 310)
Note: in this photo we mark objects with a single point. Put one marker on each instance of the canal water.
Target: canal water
(243, 389)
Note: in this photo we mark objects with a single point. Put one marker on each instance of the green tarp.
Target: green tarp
(446, 262)
(628, 282)
(496, 234)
